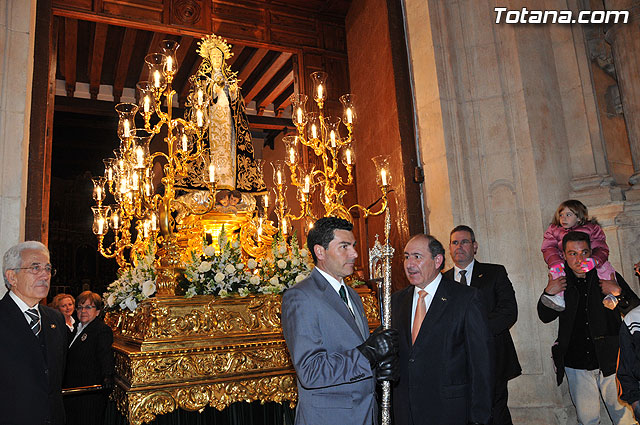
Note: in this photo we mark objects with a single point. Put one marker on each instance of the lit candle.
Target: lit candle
(333, 138)
(383, 174)
(299, 114)
(147, 104)
(147, 189)
(212, 172)
(259, 232)
(169, 63)
(199, 118)
(123, 186)
(100, 225)
(110, 174)
(200, 99)
(284, 226)
(279, 177)
(349, 116)
(115, 221)
(98, 193)
(266, 201)
(126, 128)
(320, 91)
(156, 78)
(145, 227)
(154, 224)
(348, 154)
(184, 142)
(292, 156)
(135, 180)
(314, 131)
(306, 184)
(140, 156)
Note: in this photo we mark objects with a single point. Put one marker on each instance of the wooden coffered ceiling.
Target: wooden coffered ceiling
(102, 45)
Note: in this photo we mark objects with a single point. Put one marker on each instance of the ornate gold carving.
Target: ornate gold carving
(144, 406)
(204, 351)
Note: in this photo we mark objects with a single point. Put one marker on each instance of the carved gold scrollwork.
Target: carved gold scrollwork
(145, 406)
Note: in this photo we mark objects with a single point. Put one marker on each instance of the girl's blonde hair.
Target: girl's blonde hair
(578, 208)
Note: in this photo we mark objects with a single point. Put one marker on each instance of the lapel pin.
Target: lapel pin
(83, 338)
(53, 326)
(443, 298)
(480, 275)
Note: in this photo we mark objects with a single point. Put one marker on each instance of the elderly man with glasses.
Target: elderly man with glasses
(34, 340)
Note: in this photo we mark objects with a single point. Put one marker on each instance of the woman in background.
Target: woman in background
(89, 362)
(64, 303)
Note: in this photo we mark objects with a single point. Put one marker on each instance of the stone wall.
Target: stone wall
(17, 23)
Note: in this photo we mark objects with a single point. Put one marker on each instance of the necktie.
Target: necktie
(343, 295)
(35, 320)
(463, 278)
(421, 311)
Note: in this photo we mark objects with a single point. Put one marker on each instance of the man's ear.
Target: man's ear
(319, 251)
(475, 247)
(438, 259)
(11, 277)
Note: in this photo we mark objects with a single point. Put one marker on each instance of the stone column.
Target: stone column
(17, 23)
(625, 42)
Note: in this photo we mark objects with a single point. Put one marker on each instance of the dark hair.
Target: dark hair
(435, 247)
(575, 237)
(323, 232)
(94, 298)
(464, 228)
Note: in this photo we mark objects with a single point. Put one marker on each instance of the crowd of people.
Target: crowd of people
(449, 352)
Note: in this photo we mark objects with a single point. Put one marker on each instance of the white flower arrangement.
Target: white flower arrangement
(221, 273)
(284, 266)
(135, 284)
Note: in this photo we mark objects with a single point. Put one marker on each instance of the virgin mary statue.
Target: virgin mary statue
(228, 135)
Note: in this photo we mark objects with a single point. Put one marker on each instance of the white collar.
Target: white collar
(469, 269)
(431, 288)
(21, 304)
(332, 280)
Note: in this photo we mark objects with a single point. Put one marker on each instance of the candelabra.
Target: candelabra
(321, 135)
(138, 213)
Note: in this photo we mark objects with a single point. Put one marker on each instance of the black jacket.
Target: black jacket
(502, 309)
(31, 368)
(604, 324)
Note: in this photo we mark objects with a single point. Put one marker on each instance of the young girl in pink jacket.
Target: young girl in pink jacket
(572, 215)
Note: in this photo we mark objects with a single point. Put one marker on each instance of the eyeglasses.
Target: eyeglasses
(39, 268)
(462, 242)
(85, 307)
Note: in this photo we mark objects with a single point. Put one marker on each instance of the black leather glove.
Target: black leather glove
(388, 369)
(107, 384)
(380, 345)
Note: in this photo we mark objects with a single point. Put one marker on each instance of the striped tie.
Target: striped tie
(35, 320)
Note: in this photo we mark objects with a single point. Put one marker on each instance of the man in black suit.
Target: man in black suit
(500, 299)
(34, 339)
(446, 367)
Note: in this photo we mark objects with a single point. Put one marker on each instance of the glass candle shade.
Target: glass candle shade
(98, 188)
(126, 119)
(349, 110)
(298, 112)
(383, 174)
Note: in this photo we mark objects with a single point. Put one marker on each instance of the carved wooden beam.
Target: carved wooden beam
(123, 63)
(251, 65)
(70, 54)
(96, 58)
(266, 76)
(275, 88)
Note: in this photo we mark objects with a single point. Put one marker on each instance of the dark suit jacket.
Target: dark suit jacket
(447, 376)
(31, 368)
(500, 299)
(335, 381)
(604, 324)
(90, 357)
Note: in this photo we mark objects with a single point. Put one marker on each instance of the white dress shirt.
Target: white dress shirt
(336, 286)
(24, 307)
(431, 289)
(469, 269)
